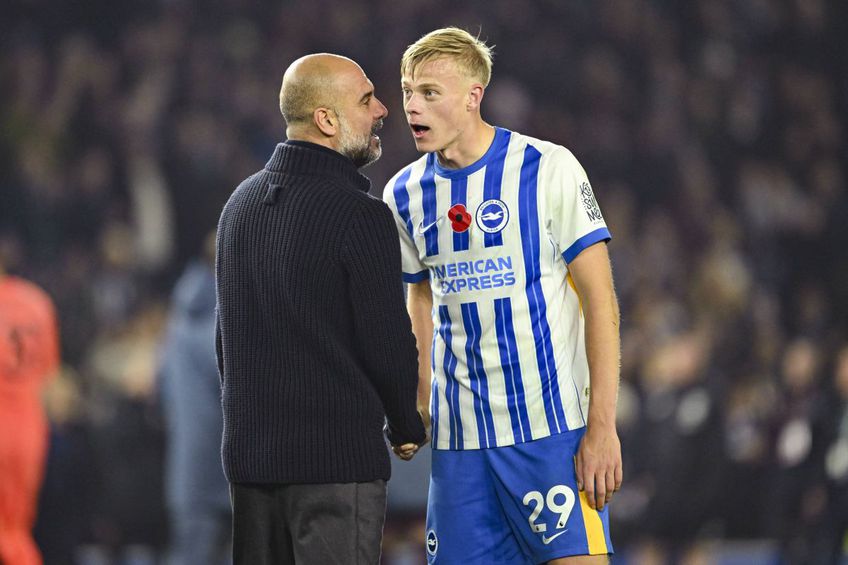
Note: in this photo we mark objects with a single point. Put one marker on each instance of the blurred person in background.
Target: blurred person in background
(679, 445)
(29, 358)
(315, 349)
(797, 489)
(196, 491)
(71, 482)
(504, 248)
(835, 527)
(129, 518)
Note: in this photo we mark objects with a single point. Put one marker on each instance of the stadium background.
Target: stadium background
(713, 132)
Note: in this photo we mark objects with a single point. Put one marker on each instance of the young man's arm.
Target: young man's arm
(419, 304)
(598, 462)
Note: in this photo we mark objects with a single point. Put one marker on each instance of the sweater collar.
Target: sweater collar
(303, 157)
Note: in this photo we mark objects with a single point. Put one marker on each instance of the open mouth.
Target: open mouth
(418, 130)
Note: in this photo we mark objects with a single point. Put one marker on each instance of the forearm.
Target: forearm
(592, 277)
(419, 306)
(603, 350)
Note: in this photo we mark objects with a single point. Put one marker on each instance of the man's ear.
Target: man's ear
(475, 97)
(326, 120)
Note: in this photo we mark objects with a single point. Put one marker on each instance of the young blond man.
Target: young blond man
(512, 303)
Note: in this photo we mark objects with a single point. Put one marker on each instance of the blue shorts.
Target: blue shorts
(509, 505)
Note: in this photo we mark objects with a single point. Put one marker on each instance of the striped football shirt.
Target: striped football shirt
(495, 240)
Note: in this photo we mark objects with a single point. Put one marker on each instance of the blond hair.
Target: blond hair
(472, 56)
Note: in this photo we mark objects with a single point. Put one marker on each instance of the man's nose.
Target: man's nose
(382, 111)
(410, 105)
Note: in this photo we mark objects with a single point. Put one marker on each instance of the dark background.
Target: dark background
(714, 135)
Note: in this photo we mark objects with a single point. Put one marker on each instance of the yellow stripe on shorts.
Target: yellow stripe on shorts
(594, 528)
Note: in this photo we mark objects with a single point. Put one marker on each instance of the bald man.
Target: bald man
(315, 349)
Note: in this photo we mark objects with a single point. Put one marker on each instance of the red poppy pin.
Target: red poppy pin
(459, 217)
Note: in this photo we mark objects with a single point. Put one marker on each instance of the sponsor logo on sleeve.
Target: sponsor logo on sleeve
(590, 205)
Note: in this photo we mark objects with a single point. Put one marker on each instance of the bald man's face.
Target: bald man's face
(361, 115)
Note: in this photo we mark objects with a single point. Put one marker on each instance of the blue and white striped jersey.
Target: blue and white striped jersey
(495, 239)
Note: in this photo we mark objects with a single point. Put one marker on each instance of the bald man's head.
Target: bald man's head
(328, 100)
(312, 82)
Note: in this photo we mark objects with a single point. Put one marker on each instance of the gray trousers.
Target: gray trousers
(311, 524)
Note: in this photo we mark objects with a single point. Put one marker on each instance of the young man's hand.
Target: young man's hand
(598, 466)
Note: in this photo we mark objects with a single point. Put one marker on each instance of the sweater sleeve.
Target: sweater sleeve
(384, 336)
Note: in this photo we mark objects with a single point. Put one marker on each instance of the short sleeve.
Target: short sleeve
(574, 218)
(396, 196)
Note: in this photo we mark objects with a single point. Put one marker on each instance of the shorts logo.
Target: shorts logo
(432, 542)
(548, 539)
(492, 216)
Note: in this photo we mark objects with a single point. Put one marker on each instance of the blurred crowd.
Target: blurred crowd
(713, 132)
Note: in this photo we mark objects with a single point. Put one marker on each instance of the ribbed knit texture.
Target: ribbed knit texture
(314, 344)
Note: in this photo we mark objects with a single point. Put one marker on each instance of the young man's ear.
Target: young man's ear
(475, 97)
(326, 120)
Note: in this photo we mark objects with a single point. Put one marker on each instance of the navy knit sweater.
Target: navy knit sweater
(314, 344)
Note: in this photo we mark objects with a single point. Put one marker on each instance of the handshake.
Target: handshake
(407, 451)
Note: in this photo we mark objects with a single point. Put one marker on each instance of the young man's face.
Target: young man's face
(436, 104)
(360, 117)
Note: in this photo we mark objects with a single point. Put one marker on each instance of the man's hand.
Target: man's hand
(598, 465)
(408, 450)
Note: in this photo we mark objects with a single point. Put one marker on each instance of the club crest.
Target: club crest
(432, 542)
(492, 216)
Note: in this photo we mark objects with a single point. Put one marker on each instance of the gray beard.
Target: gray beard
(359, 151)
